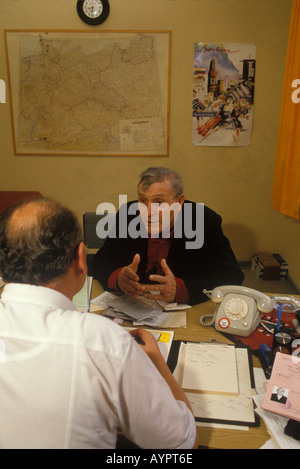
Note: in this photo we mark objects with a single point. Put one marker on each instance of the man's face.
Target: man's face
(280, 392)
(155, 204)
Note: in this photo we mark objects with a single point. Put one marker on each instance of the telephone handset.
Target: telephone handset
(239, 310)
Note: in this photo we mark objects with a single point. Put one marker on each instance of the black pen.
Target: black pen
(139, 340)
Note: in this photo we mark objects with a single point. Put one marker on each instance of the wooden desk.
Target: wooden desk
(212, 437)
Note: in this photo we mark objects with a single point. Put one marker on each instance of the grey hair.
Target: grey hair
(160, 174)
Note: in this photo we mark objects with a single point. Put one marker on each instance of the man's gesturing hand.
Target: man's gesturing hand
(128, 280)
(166, 286)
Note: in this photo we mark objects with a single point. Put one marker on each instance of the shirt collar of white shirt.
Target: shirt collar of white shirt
(24, 293)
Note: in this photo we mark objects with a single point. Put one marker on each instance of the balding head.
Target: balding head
(26, 217)
(38, 241)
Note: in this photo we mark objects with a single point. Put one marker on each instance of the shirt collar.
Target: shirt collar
(24, 293)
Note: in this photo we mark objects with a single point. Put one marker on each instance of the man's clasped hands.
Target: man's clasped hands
(164, 288)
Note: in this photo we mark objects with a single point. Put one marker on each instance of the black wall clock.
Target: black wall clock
(93, 11)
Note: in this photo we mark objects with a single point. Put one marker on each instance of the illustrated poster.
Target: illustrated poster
(223, 94)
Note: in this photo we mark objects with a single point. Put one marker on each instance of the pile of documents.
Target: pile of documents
(277, 409)
(141, 311)
(128, 308)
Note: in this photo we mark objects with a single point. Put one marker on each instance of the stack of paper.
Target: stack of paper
(141, 311)
(135, 309)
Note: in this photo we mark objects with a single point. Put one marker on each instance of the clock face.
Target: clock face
(93, 12)
(92, 8)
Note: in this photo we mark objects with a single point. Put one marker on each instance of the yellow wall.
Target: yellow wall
(236, 182)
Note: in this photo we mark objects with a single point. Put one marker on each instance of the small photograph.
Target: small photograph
(279, 394)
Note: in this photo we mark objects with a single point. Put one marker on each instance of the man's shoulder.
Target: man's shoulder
(94, 326)
(93, 331)
(208, 212)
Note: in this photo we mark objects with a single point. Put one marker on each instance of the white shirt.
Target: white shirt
(71, 379)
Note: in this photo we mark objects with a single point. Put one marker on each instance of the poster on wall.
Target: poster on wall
(223, 94)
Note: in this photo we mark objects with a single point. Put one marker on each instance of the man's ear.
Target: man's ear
(181, 199)
(81, 258)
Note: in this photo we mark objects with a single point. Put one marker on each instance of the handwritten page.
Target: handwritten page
(210, 368)
(283, 393)
(212, 408)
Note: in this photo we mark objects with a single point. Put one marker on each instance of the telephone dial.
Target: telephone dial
(239, 311)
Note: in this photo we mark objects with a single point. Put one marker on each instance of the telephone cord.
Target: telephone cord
(203, 319)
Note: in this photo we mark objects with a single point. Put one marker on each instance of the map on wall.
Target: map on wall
(89, 93)
(223, 94)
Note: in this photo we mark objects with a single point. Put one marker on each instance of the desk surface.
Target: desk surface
(255, 437)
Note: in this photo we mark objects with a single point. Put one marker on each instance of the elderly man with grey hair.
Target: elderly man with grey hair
(166, 261)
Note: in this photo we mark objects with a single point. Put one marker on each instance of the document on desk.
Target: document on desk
(210, 368)
(135, 309)
(171, 317)
(166, 320)
(102, 301)
(163, 339)
(283, 393)
(224, 409)
(275, 424)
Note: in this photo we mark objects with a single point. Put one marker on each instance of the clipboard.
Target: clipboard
(250, 419)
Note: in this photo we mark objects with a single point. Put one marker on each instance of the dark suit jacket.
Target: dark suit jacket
(212, 265)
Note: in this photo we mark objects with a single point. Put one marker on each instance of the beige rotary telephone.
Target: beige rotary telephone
(239, 310)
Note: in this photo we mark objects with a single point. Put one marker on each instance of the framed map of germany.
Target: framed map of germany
(89, 93)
